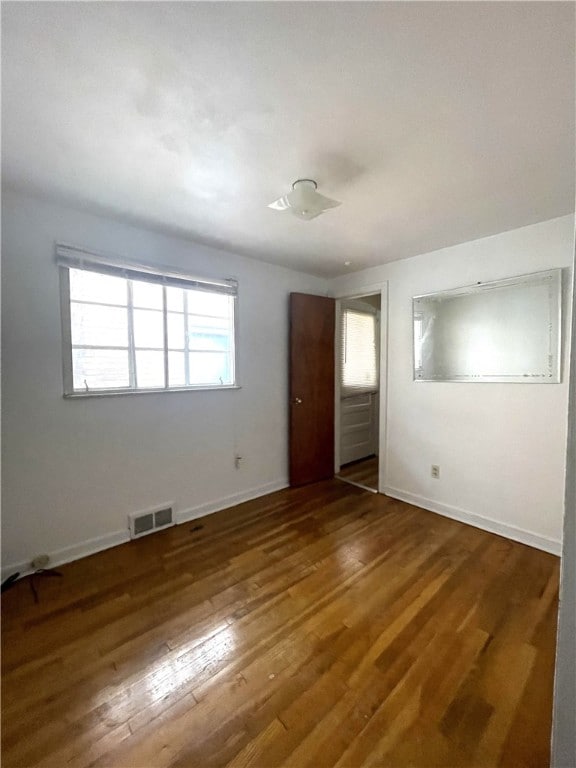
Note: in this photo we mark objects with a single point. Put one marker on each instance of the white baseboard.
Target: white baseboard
(74, 552)
(91, 546)
(98, 544)
(478, 521)
(185, 515)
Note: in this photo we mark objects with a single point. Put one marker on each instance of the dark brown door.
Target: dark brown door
(311, 388)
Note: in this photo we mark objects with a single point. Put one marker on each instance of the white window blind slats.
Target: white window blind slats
(358, 351)
(72, 257)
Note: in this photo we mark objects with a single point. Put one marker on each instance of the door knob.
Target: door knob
(297, 400)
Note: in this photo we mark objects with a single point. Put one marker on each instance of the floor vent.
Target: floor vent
(143, 523)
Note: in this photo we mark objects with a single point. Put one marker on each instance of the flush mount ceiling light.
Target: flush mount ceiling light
(304, 201)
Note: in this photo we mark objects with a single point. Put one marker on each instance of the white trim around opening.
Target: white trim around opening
(368, 290)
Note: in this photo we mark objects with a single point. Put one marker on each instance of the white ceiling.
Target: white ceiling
(434, 123)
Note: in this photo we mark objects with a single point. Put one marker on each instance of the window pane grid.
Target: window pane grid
(210, 317)
(99, 346)
(186, 347)
(98, 303)
(159, 352)
(131, 351)
(97, 288)
(165, 336)
(192, 314)
(210, 351)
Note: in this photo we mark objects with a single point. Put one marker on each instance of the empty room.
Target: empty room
(288, 387)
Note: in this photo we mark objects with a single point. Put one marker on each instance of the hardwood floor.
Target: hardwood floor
(318, 626)
(364, 472)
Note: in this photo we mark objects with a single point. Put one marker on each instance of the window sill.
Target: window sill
(123, 392)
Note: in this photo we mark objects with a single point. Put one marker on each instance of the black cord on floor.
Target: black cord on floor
(10, 581)
(41, 572)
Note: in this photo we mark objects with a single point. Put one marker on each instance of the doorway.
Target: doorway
(358, 390)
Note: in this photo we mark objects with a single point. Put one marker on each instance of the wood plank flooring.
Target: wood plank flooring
(364, 472)
(318, 626)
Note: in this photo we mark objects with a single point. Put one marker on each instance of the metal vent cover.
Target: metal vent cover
(163, 517)
(143, 524)
(148, 521)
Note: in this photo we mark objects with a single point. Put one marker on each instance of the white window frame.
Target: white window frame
(71, 257)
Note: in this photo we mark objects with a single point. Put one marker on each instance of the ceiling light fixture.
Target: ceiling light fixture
(304, 201)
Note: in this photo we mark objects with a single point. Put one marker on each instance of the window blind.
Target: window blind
(358, 351)
(73, 257)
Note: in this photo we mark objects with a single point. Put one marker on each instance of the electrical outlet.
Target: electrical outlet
(238, 460)
(435, 471)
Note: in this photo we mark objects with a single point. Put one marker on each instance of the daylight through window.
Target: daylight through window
(131, 332)
(358, 343)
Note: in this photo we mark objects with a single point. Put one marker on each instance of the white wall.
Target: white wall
(493, 332)
(564, 721)
(72, 470)
(500, 447)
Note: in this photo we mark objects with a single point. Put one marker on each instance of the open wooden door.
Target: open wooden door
(311, 388)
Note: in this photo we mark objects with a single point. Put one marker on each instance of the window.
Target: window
(359, 363)
(128, 329)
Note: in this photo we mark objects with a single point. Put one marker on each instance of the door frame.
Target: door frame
(366, 290)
